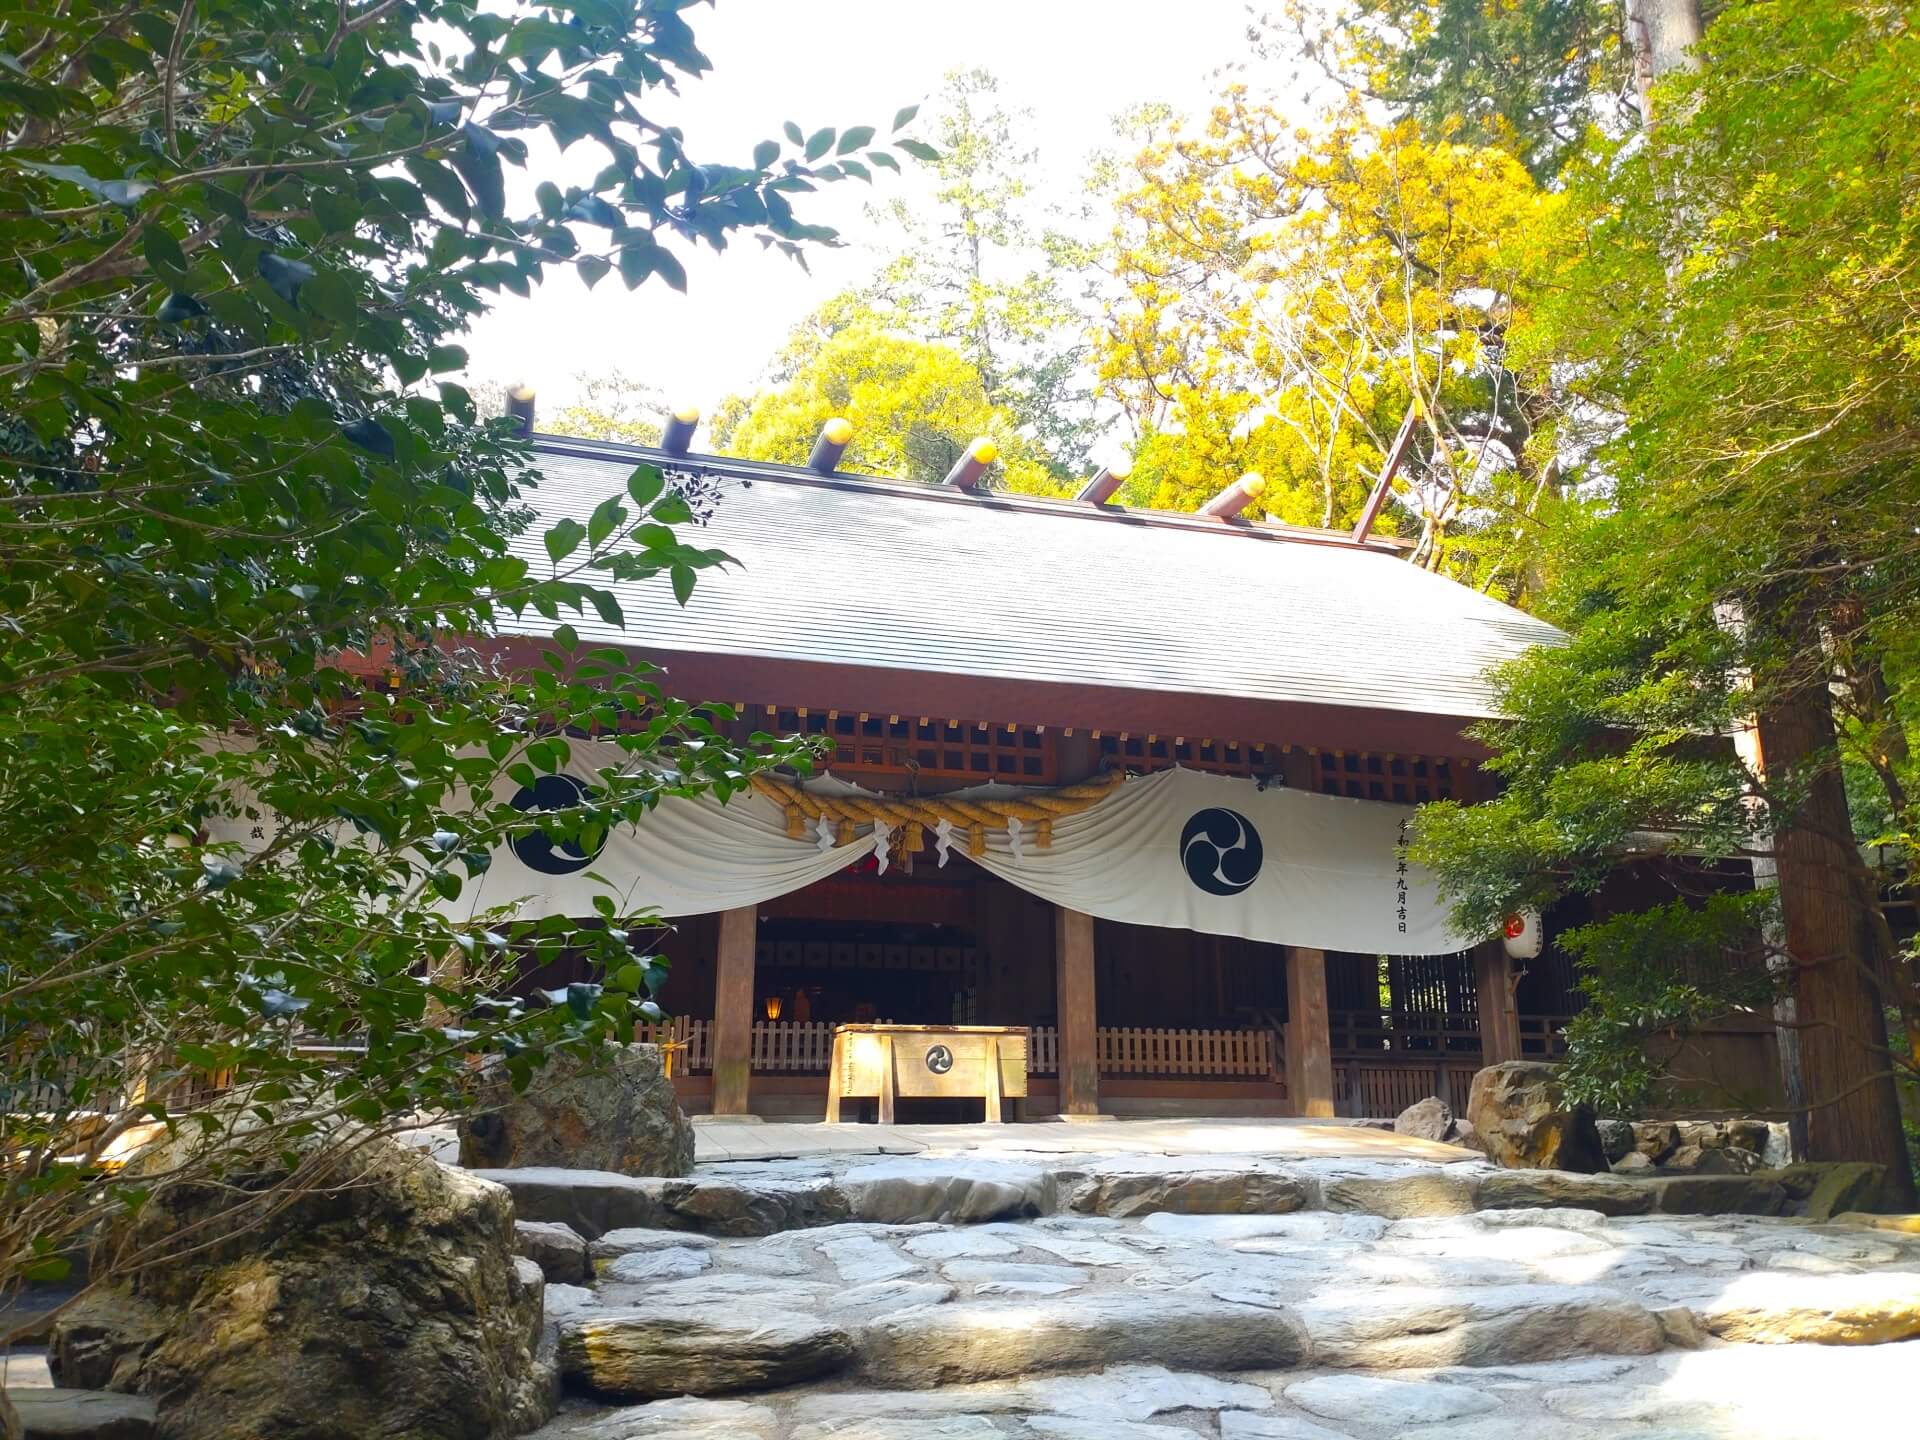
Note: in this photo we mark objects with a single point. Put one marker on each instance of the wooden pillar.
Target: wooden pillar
(1494, 995)
(1073, 974)
(1309, 1033)
(733, 1012)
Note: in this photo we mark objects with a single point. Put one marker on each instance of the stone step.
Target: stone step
(61, 1414)
(663, 1350)
(959, 1343)
(945, 1192)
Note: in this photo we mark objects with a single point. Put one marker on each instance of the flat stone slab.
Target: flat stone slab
(1400, 1327)
(642, 1354)
(1869, 1309)
(57, 1414)
(954, 1344)
(1387, 1402)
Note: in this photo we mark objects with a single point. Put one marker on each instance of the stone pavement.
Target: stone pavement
(1323, 1288)
(723, 1139)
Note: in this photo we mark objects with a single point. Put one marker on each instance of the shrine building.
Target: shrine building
(1134, 781)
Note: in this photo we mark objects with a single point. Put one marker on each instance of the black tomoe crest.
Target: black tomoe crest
(1220, 851)
(536, 848)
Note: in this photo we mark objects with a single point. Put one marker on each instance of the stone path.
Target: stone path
(727, 1139)
(1142, 1297)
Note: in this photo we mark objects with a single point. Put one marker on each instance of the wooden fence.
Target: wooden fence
(806, 1047)
(1127, 1050)
(1370, 1089)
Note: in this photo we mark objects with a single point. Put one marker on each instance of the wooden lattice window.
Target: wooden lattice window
(1399, 779)
(969, 750)
(1143, 753)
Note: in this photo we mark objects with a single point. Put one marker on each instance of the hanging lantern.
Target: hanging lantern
(1523, 935)
(773, 1007)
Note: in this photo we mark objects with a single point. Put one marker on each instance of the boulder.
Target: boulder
(1843, 1186)
(557, 1249)
(1634, 1162)
(614, 1111)
(1428, 1119)
(1466, 1137)
(1656, 1139)
(1693, 1159)
(661, 1350)
(1616, 1139)
(1521, 1112)
(387, 1300)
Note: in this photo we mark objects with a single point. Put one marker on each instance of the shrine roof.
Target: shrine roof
(848, 571)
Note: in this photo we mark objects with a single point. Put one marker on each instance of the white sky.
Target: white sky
(1073, 63)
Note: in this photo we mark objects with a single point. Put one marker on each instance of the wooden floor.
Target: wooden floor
(717, 1140)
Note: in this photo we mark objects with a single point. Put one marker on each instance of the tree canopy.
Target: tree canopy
(253, 539)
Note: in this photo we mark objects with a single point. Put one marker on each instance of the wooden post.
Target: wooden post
(1309, 1033)
(889, 1082)
(992, 1088)
(1079, 1056)
(836, 1077)
(733, 1012)
(1499, 1016)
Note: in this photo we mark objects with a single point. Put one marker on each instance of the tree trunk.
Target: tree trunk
(1661, 36)
(1853, 1107)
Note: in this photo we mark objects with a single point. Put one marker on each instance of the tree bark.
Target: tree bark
(1853, 1108)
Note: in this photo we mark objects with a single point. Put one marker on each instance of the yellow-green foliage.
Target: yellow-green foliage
(915, 406)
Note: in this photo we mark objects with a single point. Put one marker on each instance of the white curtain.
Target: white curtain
(1179, 848)
(1220, 855)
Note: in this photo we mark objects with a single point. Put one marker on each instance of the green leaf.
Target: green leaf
(564, 538)
(794, 133)
(607, 517)
(566, 637)
(904, 117)
(854, 139)
(645, 484)
(608, 608)
(819, 143)
(765, 153)
(919, 149)
(682, 577)
(442, 358)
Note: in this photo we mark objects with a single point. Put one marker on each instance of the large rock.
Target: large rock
(615, 1111)
(557, 1249)
(1616, 1139)
(1428, 1119)
(387, 1302)
(661, 1350)
(958, 1343)
(1521, 1114)
(1656, 1139)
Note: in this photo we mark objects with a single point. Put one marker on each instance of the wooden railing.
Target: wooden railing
(1129, 1050)
(692, 1039)
(792, 1045)
(1369, 1089)
(1543, 1036)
